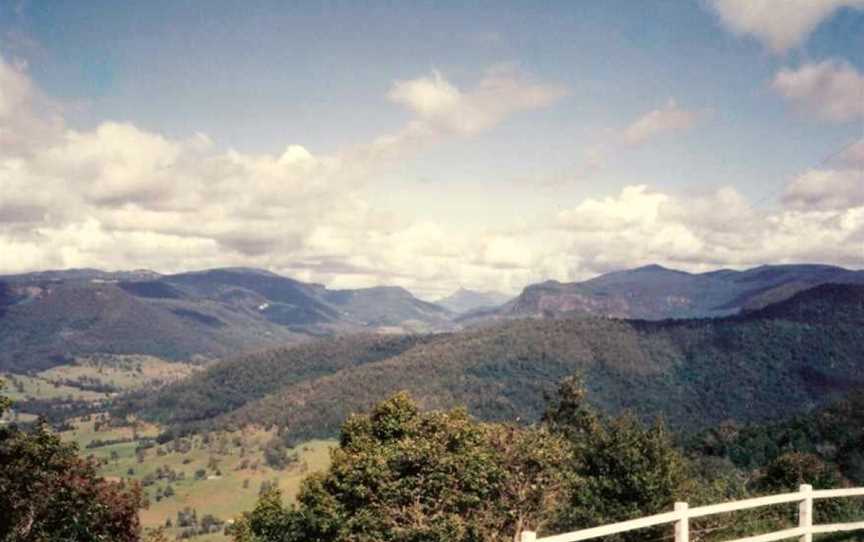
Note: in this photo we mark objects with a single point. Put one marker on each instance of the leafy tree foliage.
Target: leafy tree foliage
(402, 474)
(618, 468)
(48, 493)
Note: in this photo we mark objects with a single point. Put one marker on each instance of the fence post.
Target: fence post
(805, 512)
(528, 536)
(682, 526)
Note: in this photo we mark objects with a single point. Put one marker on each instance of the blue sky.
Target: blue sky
(487, 144)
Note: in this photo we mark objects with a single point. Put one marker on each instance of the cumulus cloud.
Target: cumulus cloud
(832, 89)
(660, 122)
(778, 25)
(441, 107)
(634, 207)
(705, 231)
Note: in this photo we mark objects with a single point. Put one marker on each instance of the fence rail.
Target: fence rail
(682, 514)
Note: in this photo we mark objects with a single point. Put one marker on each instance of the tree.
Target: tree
(790, 470)
(401, 474)
(618, 468)
(48, 493)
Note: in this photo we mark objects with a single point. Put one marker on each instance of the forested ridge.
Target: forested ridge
(784, 359)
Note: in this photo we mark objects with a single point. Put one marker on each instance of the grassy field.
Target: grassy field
(23, 387)
(218, 474)
(91, 378)
(120, 372)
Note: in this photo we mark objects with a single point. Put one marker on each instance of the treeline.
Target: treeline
(403, 474)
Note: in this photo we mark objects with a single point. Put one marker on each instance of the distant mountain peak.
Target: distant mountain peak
(655, 292)
(657, 268)
(243, 270)
(465, 300)
(652, 267)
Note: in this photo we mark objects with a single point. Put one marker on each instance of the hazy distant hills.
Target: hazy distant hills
(464, 300)
(46, 318)
(764, 364)
(655, 293)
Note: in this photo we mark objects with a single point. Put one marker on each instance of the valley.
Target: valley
(205, 433)
(786, 358)
(367, 271)
(213, 474)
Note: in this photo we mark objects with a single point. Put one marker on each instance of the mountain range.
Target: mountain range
(656, 293)
(48, 318)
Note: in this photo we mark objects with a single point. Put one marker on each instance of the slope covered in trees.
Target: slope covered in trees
(766, 364)
(230, 385)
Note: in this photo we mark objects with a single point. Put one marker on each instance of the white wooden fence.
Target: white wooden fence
(682, 514)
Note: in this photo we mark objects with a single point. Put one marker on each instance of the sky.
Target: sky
(431, 145)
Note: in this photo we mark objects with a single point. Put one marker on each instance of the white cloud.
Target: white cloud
(706, 231)
(832, 90)
(635, 207)
(21, 121)
(779, 24)
(441, 107)
(826, 189)
(428, 96)
(660, 122)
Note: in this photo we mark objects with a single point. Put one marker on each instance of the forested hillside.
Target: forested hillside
(230, 385)
(49, 318)
(784, 359)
